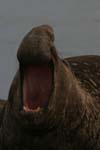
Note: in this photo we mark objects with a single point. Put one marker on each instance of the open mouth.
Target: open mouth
(36, 86)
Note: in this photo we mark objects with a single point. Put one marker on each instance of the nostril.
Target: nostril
(29, 56)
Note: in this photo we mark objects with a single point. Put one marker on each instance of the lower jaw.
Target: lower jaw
(26, 109)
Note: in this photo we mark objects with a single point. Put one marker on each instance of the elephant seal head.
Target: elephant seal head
(36, 98)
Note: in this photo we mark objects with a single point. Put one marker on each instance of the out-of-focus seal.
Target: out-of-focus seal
(51, 104)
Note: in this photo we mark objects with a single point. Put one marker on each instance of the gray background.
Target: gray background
(76, 24)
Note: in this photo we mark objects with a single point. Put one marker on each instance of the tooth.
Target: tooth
(31, 110)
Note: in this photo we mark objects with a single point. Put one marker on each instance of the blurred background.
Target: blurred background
(76, 24)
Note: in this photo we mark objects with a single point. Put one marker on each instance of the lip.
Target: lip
(31, 110)
(38, 108)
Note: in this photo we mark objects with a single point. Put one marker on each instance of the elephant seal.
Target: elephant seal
(48, 107)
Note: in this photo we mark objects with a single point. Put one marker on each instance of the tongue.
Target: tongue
(37, 85)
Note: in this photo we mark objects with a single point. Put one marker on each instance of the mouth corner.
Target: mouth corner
(36, 86)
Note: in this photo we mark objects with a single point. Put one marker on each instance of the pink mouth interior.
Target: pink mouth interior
(37, 85)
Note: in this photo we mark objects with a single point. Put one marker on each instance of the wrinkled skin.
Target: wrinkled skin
(70, 120)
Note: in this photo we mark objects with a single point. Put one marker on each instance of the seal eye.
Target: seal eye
(37, 83)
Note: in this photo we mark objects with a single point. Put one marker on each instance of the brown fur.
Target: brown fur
(72, 119)
(87, 71)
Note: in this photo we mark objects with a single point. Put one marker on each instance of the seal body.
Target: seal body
(87, 70)
(53, 103)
